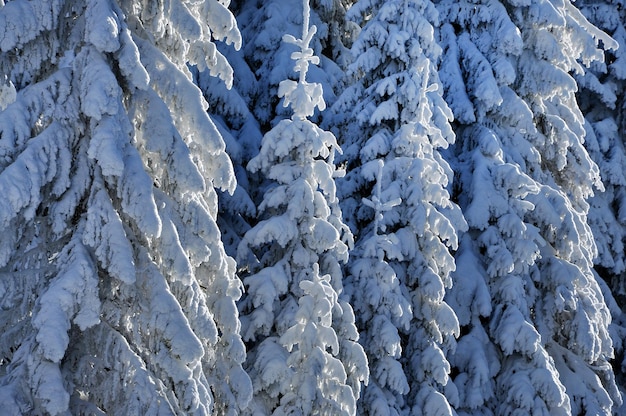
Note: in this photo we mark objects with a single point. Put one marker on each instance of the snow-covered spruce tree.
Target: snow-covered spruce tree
(229, 107)
(117, 296)
(303, 352)
(501, 246)
(396, 122)
(603, 104)
(263, 23)
(525, 177)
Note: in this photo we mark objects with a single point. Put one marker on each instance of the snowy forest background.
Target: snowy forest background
(401, 207)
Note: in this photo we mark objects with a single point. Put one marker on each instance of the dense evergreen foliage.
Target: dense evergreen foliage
(334, 207)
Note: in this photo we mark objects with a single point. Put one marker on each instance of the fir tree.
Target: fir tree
(395, 123)
(526, 178)
(117, 296)
(303, 354)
